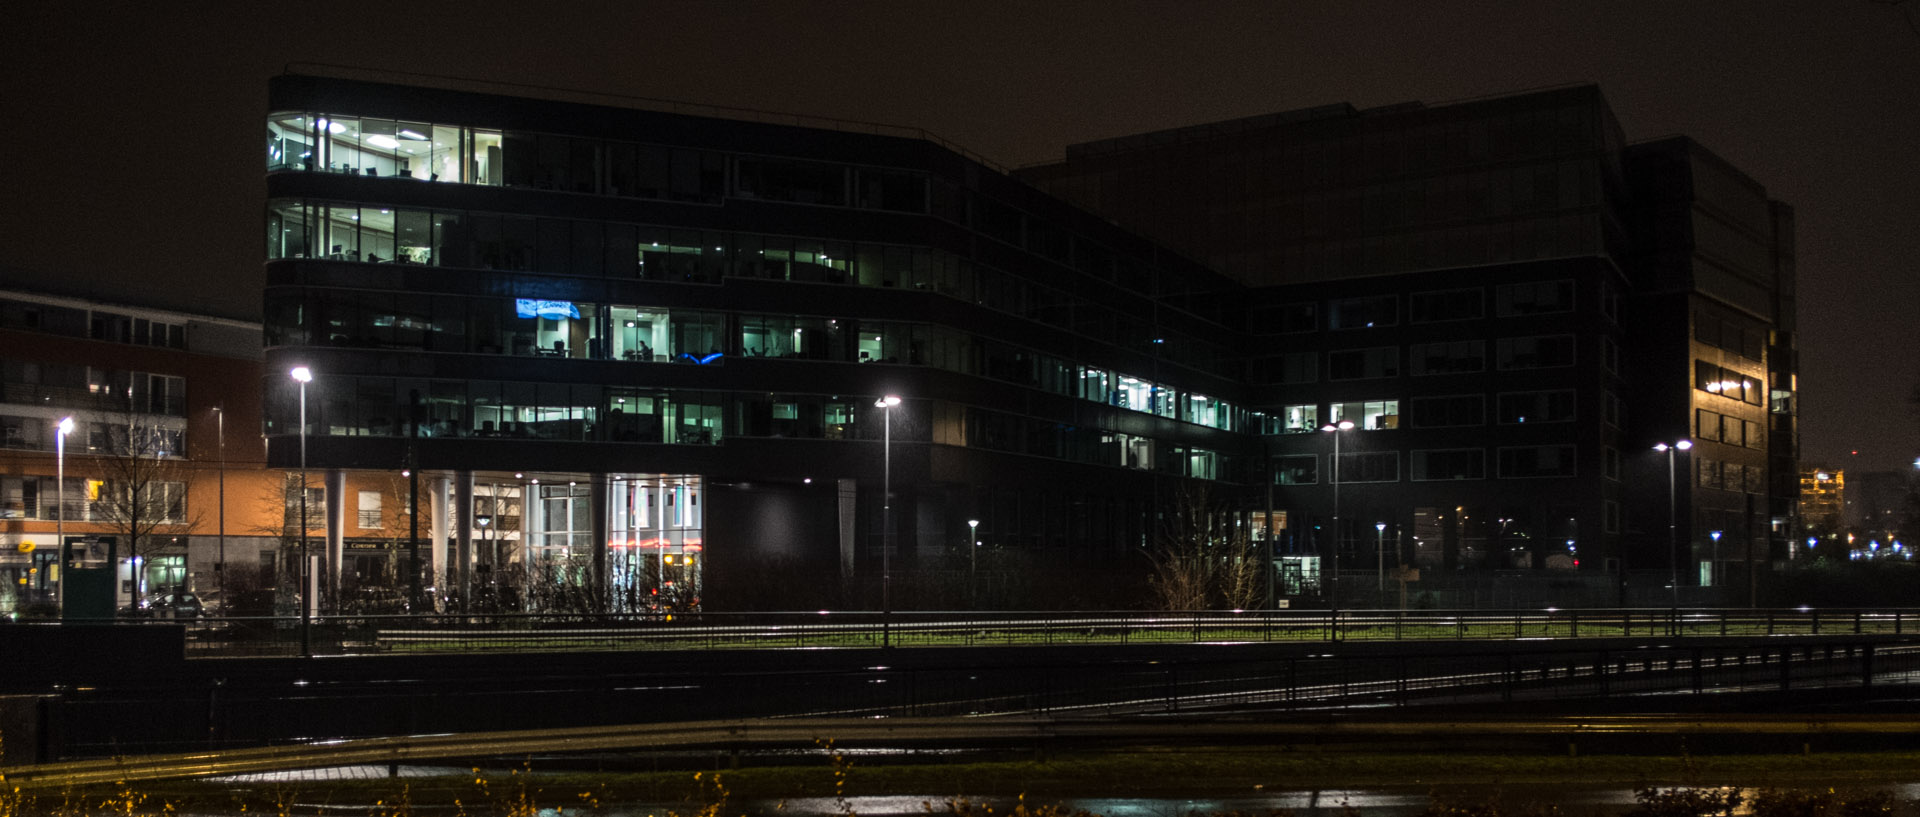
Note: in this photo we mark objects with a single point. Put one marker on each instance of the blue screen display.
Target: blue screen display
(530, 308)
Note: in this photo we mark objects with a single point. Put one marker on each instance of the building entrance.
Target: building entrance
(656, 554)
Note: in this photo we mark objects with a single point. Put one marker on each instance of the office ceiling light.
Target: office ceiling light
(383, 140)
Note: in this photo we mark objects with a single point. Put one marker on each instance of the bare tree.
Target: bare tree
(394, 520)
(141, 492)
(1241, 573)
(1201, 556)
(281, 501)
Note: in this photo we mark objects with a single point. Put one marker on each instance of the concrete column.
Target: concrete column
(459, 572)
(439, 494)
(336, 531)
(849, 523)
(602, 531)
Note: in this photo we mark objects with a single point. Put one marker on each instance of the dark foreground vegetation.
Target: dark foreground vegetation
(1456, 785)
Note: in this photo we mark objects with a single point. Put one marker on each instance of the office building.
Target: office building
(1513, 305)
(144, 459)
(639, 359)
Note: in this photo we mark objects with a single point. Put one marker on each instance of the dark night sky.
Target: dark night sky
(131, 158)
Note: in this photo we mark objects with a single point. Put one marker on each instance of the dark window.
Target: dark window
(798, 182)
(1448, 357)
(1537, 406)
(1446, 305)
(1446, 464)
(1441, 412)
(1301, 469)
(1706, 426)
(1285, 318)
(1363, 313)
(1298, 367)
(1709, 473)
(892, 190)
(1536, 461)
(1542, 352)
(1363, 364)
(1534, 298)
(997, 221)
(1369, 466)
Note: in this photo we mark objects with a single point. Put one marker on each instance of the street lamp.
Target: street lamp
(1673, 524)
(61, 429)
(1333, 588)
(220, 419)
(1714, 571)
(886, 404)
(973, 561)
(304, 376)
(1380, 554)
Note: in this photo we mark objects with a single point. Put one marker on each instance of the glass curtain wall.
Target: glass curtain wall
(655, 557)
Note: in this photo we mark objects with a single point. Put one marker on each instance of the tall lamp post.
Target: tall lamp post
(886, 404)
(1380, 554)
(220, 420)
(1673, 519)
(1714, 571)
(61, 430)
(1333, 586)
(304, 376)
(973, 562)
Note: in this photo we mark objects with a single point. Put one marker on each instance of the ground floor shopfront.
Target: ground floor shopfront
(500, 541)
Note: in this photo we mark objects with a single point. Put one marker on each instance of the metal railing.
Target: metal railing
(536, 632)
(212, 707)
(804, 733)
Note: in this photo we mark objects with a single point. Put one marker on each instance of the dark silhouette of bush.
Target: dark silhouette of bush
(1828, 803)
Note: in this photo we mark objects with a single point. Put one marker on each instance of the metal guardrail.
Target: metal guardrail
(454, 633)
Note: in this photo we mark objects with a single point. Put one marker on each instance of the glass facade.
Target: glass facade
(775, 284)
(559, 329)
(298, 229)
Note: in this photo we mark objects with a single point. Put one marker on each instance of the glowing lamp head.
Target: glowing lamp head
(1683, 444)
(1715, 535)
(888, 401)
(1380, 526)
(973, 523)
(303, 374)
(66, 425)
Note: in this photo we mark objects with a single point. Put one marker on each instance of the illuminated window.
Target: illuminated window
(1372, 415)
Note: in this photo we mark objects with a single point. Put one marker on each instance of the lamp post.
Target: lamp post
(1380, 555)
(1673, 520)
(886, 404)
(973, 562)
(61, 430)
(1333, 586)
(304, 376)
(485, 523)
(220, 433)
(1713, 572)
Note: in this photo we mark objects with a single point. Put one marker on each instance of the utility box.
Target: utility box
(89, 594)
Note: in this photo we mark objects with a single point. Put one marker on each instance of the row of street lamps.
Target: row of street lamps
(304, 375)
(1673, 538)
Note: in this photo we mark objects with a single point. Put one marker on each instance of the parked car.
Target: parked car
(250, 604)
(177, 605)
